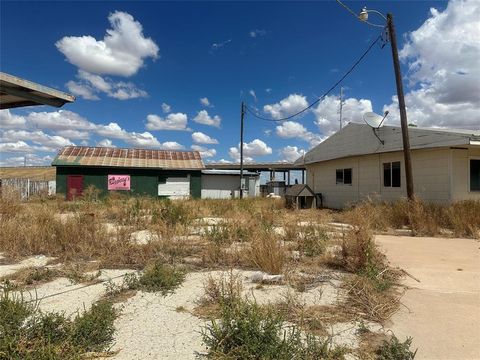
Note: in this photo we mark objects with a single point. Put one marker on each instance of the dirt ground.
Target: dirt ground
(442, 311)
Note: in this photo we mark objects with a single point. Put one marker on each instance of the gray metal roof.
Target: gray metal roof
(17, 92)
(359, 139)
(229, 172)
(279, 166)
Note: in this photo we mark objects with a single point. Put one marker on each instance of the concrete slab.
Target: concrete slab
(442, 312)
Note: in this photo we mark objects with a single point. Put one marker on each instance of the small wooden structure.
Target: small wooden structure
(300, 196)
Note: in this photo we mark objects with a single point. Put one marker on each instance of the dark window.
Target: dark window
(391, 174)
(344, 176)
(339, 176)
(475, 175)
(396, 174)
(387, 174)
(347, 176)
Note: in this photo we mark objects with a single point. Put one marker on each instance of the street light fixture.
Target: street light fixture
(363, 16)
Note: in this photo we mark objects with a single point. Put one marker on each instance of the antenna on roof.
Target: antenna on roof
(375, 121)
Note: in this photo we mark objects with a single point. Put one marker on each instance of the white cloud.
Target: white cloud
(171, 145)
(223, 161)
(90, 85)
(216, 46)
(291, 153)
(255, 148)
(444, 70)
(105, 143)
(286, 107)
(327, 116)
(257, 33)
(166, 108)
(59, 120)
(205, 102)
(18, 146)
(73, 134)
(176, 121)
(82, 90)
(293, 129)
(29, 160)
(252, 94)
(204, 152)
(11, 121)
(268, 90)
(202, 117)
(121, 52)
(142, 140)
(48, 142)
(201, 138)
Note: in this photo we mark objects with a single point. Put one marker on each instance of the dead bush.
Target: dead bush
(267, 253)
(367, 301)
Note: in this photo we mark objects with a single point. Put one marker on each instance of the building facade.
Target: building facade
(359, 163)
(156, 173)
(225, 184)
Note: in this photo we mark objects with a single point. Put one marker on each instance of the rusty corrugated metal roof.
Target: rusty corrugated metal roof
(138, 158)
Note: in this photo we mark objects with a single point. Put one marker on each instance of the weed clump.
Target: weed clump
(267, 253)
(28, 333)
(246, 330)
(161, 277)
(393, 349)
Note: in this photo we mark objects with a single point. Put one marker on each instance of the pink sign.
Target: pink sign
(118, 182)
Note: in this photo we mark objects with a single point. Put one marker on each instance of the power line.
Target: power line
(255, 114)
(348, 9)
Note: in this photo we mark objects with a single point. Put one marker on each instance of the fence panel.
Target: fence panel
(27, 188)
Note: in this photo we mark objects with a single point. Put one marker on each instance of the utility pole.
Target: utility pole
(242, 115)
(341, 106)
(401, 105)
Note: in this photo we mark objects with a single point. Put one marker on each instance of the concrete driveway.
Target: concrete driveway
(442, 311)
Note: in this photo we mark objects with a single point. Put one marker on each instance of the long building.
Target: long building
(359, 163)
(162, 173)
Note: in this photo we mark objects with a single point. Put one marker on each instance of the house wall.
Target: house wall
(460, 159)
(142, 181)
(226, 186)
(431, 172)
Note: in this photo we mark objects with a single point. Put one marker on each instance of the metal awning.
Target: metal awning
(17, 92)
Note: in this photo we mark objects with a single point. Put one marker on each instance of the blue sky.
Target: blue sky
(123, 60)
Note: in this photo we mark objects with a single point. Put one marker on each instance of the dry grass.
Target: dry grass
(30, 172)
(461, 218)
(367, 301)
(267, 253)
(223, 290)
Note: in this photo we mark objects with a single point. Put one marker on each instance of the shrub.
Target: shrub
(247, 331)
(313, 241)
(393, 349)
(161, 277)
(93, 330)
(28, 333)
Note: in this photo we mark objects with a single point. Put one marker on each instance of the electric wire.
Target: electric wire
(255, 114)
(348, 9)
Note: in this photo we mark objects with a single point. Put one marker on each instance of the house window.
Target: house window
(344, 176)
(474, 174)
(391, 174)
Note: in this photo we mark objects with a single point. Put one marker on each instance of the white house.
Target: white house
(358, 163)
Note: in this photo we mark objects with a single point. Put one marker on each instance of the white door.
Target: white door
(175, 187)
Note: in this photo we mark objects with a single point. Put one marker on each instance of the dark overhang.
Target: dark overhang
(16, 92)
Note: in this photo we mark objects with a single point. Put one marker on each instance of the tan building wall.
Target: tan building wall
(434, 170)
(460, 179)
